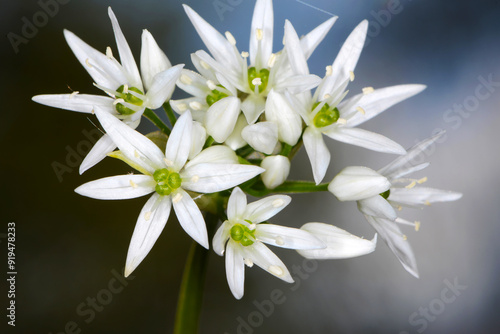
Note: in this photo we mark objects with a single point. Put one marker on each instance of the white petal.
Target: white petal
(217, 44)
(190, 217)
(391, 234)
(262, 136)
(298, 83)
(235, 269)
(150, 224)
(118, 187)
(355, 183)
(163, 86)
(105, 71)
(289, 122)
(310, 41)
(235, 141)
(198, 138)
(296, 57)
(236, 204)
(218, 154)
(377, 206)
(220, 238)
(318, 153)
(379, 101)
(340, 244)
(79, 102)
(346, 59)
(301, 105)
(179, 142)
(422, 196)
(210, 177)
(221, 118)
(370, 140)
(277, 170)
(265, 208)
(414, 154)
(126, 57)
(263, 19)
(267, 260)
(183, 105)
(133, 145)
(252, 107)
(153, 59)
(100, 150)
(406, 171)
(203, 68)
(287, 237)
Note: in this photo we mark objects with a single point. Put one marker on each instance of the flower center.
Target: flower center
(214, 96)
(386, 194)
(326, 116)
(259, 79)
(129, 98)
(242, 234)
(166, 181)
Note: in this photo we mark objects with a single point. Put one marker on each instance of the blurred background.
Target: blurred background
(71, 250)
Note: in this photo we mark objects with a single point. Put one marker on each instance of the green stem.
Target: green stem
(170, 113)
(193, 280)
(289, 187)
(149, 114)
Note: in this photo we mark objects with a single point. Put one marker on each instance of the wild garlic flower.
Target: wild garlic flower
(326, 113)
(129, 93)
(169, 176)
(379, 193)
(242, 236)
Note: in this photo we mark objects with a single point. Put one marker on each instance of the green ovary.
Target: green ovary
(326, 116)
(263, 74)
(166, 181)
(215, 96)
(242, 234)
(129, 98)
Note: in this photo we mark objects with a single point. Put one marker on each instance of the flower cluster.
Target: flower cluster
(248, 114)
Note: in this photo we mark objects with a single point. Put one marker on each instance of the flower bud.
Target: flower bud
(277, 169)
(355, 183)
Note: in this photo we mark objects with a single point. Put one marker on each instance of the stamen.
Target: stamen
(195, 178)
(132, 184)
(168, 162)
(87, 61)
(351, 75)
(230, 38)
(342, 121)
(252, 226)
(278, 202)
(422, 180)
(427, 203)
(136, 154)
(181, 106)
(195, 105)
(400, 208)
(186, 80)
(245, 54)
(368, 90)
(204, 65)
(271, 61)
(280, 241)
(147, 215)
(329, 70)
(417, 226)
(327, 96)
(275, 270)
(73, 94)
(361, 110)
(125, 89)
(411, 185)
(260, 35)
(405, 237)
(211, 85)
(249, 262)
(115, 102)
(257, 81)
(177, 198)
(109, 53)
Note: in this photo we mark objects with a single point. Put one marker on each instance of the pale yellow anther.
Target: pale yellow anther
(257, 81)
(342, 121)
(181, 106)
(271, 61)
(177, 198)
(195, 105)
(275, 270)
(169, 163)
(245, 54)
(361, 110)
(249, 263)
(93, 111)
(422, 180)
(411, 185)
(115, 102)
(427, 203)
(368, 90)
(351, 75)
(230, 38)
(125, 89)
(132, 184)
(87, 61)
(400, 208)
(195, 178)
(417, 226)
(405, 237)
(204, 65)
(136, 154)
(278, 203)
(329, 70)
(252, 226)
(260, 34)
(211, 85)
(109, 53)
(186, 79)
(327, 96)
(147, 215)
(73, 94)
(280, 241)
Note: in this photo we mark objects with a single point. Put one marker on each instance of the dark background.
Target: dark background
(68, 248)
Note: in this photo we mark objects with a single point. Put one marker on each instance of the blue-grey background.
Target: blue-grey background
(69, 247)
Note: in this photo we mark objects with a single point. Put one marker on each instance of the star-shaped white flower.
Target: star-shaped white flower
(245, 237)
(378, 193)
(169, 175)
(326, 113)
(129, 94)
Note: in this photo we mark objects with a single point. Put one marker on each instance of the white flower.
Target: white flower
(250, 76)
(326, 113)
(168, 175)
(388, 189)
(277, 170)
(245, 237)
(129, 94)
(340, 244)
